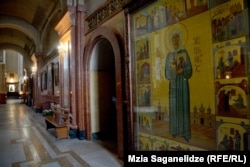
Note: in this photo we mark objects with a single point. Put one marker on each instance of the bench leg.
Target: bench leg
(49, 125)
(62, 132)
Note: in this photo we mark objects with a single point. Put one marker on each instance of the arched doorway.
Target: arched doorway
(103, 95)
(104, 46)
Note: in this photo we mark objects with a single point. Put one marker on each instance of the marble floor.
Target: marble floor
(25, 142)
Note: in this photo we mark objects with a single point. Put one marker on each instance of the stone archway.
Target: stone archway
(96, 36)
(103, 95)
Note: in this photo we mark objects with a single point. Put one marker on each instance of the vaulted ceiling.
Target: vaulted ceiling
(24, 23)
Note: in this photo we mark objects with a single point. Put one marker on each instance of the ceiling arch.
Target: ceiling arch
(22, 22)
(17, 32)
(21, 25)
(15, 37)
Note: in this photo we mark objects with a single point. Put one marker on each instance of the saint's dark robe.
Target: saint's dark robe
(179, 101)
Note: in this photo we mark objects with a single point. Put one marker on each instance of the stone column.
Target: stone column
(80, 29)
(71, 29)
(37, 81)
(77, 15)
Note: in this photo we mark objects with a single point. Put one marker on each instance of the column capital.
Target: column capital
(39, 58)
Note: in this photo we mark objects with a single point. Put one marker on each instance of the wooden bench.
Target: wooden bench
(59, 121)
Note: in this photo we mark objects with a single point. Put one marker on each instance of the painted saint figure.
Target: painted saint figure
(237, 140)
(239, 101)
(178, 70)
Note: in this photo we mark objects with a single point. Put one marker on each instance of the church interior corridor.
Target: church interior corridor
(26, 142)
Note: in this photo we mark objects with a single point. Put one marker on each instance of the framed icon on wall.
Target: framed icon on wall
(12, 88)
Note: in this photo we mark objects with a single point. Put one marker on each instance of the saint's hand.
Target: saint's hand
(180, 71)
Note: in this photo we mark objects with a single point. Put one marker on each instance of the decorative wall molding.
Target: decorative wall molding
(66, 22)
(50, 56)
(103, 13)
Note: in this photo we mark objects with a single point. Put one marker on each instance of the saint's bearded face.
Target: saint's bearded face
(176, 40)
